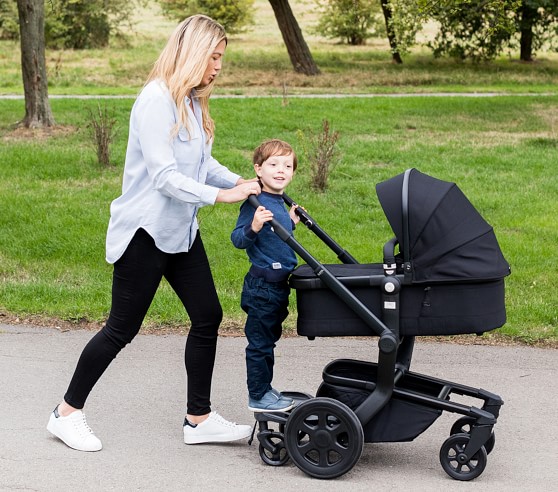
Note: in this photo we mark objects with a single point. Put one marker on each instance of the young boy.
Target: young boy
(265, 293)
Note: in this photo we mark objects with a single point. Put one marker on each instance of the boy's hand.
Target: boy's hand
(294, 216)
(261, 216)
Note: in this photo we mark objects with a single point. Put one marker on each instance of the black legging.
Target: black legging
(136, 277)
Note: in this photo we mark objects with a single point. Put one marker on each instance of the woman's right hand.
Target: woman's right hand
(238, 193)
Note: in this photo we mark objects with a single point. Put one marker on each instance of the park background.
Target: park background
(490, 127)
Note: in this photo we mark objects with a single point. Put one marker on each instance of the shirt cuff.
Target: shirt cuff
(249, 233)
(209, 195)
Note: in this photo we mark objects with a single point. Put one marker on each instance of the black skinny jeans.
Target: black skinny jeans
(137, 275)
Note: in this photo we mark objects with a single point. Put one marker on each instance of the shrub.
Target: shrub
(234, 15)
(102, 124)
(352, 21)
(322, 153)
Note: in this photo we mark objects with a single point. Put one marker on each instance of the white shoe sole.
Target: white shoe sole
(215, 438)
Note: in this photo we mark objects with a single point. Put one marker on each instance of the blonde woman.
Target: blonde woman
(153, 233)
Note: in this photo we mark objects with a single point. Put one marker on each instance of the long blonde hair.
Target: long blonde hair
(182, 64)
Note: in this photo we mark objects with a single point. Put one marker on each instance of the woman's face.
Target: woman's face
(214, 65)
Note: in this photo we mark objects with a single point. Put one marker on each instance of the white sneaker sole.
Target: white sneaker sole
(215, 438)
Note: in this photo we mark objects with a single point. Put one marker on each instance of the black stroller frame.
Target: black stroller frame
(381, 401)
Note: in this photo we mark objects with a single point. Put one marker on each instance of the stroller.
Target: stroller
(446, 278)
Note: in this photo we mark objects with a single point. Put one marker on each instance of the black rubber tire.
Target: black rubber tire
(455, 466)
(274, 453)
(324, 437)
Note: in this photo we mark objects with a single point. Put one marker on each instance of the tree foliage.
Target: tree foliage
(77, 24)
(351, 21)
(9, 26)
(537, 24)
(482, 29)
(234, 15)
(477, 30)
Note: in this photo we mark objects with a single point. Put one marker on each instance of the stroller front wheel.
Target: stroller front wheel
(324, 437)
(456, 464)
(272, 450)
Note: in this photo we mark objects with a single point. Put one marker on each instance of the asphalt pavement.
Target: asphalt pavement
(137, 410)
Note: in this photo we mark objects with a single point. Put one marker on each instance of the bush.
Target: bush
(478, 32)
(352, 21)
(73, 24)
(102, 125)
(9, 25)
(322, 153)
(234, 15)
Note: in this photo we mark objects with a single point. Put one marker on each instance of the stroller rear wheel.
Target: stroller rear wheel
(324, 437)
(456, 464)
(464, 425)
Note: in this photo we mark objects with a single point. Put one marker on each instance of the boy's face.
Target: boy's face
(275, 173)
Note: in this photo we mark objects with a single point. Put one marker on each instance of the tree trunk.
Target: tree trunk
(528, 15)
(298, 50)
(33, 63)
(386, 9)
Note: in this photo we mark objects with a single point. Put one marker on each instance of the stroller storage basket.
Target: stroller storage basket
(428, 309)
(352, 381)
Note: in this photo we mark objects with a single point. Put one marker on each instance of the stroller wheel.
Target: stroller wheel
(272, 449)
(324, 437)
(463, 426)
(455, 464)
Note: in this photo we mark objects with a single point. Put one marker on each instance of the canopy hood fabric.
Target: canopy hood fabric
(448, 239)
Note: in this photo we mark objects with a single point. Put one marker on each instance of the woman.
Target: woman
(153, 232)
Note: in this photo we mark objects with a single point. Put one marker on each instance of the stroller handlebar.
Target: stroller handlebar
(388, 341)
(277, 227)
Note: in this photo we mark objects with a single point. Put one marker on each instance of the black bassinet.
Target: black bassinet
(451, 266)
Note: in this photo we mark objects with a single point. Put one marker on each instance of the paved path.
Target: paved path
(137, 410)
(305, 96)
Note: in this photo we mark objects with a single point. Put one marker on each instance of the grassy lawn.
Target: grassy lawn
(257, 62)
(501, 151)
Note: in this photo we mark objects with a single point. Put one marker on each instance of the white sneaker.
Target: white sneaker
(215, 429)
(73, 431)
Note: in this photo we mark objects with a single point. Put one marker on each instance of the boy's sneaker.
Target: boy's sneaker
(272, 401)
(73, 431)
(214, 429)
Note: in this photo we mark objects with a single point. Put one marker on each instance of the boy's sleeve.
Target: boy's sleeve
(242, 235)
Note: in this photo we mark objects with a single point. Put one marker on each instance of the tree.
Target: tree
(473, 29)
(537, 24)
(392, 38)
(33, 64)
(298, 50)
(481, 29)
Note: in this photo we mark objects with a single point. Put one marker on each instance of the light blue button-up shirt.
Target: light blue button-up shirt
(166, 180)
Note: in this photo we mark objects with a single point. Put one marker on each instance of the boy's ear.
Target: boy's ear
(257, 168)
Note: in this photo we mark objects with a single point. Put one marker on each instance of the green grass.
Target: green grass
(257, 62)
(501, 151)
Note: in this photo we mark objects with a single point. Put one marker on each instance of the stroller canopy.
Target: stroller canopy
(448, 240)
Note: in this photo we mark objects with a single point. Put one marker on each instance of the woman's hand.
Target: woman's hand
(239, 192)
(242, 180)
(261, 216)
